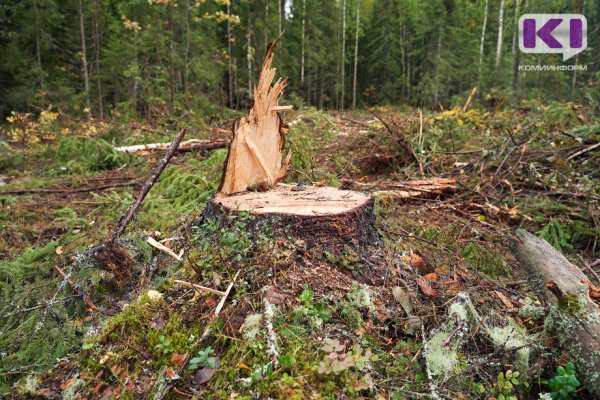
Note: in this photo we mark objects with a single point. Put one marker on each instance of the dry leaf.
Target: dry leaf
(170, 373)
(179, 358)
(67, 383)
(505, 300)
(243, 366)
(426, 288)
(59, 250)
(432, 277)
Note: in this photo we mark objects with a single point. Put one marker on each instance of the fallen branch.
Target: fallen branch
(580, 152)
(160, 166)
(188, 145)
(76, 289)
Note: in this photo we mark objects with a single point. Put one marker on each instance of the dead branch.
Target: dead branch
(158, 169)
(76, 289)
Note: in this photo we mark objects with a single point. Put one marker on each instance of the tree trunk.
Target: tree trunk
(500, 33)
(280, 17)
(343, 60)
(355, 54)
(97, 59)
(482, 41)
(303, 38)
(229, 57)
(86, 77)
(249, 57)
(574, 317)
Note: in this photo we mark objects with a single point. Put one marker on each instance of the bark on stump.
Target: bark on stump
(574, 317)
(323, 217)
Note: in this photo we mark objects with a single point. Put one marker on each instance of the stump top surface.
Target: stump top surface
(283, 199)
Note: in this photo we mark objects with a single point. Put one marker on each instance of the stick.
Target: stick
(282, 108)
(160, 166)
(163, 248)
(222, 302)
(468, 102)
(198, 287)
(76, 289)
(577, 154)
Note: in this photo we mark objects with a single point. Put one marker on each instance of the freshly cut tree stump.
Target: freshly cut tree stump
(321, 216)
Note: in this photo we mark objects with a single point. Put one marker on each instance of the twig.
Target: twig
(271, 338)
(222, 302)
(160, 166)
(199, 287)
(163, 248)
(580, 152)
(589, 267)
(458, 328)
(76, 289)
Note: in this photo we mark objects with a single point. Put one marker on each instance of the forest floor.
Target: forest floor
(298, 323)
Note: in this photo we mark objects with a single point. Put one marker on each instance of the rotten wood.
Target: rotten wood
(557, 281)
(255, 153)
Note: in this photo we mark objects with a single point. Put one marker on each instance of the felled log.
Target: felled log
(255, 153)
(188, 145)
(574, 317)
(419, 188)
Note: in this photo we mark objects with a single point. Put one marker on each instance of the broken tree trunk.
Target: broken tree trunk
(574, 316)
(255, 153)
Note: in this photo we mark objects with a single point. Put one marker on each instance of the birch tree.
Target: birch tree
(500, 33)
(355, 54)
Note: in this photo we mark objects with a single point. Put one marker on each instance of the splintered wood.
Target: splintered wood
(255, 152)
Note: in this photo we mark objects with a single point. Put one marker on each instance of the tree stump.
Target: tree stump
(325, 217)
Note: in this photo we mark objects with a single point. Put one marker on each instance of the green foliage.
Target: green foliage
(557, 235)
(504, 387)
(483, 259)
(305, 140)
(564, 384)
(314, 311)
(9, 158)
(81, 153)
(165, 345)
(203, 360)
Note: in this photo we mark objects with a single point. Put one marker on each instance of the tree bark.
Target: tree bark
(574, 317)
